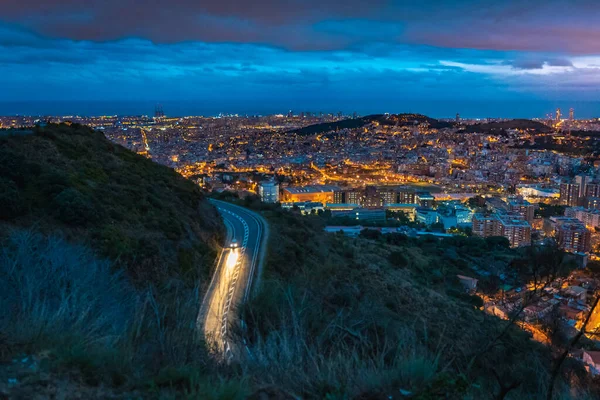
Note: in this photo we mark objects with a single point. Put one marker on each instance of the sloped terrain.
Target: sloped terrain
(70, 180)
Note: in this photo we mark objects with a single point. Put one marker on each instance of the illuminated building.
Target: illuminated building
(510, 226)
(569, 194)
(426, 216)
(523, 208)
(485, 225)
(590, 218)
(574, 237)
(373, 198)
(582, 181)
(348, 196)
(317, 193)
(408, 209)
(361, 214)
(424, 199)
(269, 192)
(517, 231)
(406, 196)
(592, 203)
(592, 190)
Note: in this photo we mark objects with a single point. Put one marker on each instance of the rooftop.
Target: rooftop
(311, 189)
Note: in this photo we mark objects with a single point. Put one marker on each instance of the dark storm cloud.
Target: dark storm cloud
(372, 51)
(526, 25)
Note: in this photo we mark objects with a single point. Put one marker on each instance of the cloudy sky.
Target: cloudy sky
(303, 54)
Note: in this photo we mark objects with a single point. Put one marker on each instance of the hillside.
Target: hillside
(499, 127)
(374, 317)
(384, 314)
(336, 126)
(409, 119)
(70, 180)
(388, 120)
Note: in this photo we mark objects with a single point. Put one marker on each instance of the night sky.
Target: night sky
(517, 57)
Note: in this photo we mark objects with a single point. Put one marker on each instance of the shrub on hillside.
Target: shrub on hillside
(72, 180)
(10, 199)
(60, 299)
(73, 208)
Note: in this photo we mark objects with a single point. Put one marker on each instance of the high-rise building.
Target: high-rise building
(406, 196)
(571, 114)
(516, 230)
(558, 115)
(348, 196)
(592, 190)
(485, 225)
(569, 194)
(372, 198)
(511, 226)
(588, 217)
(523, 208)
(574, 237)
(592, 203)
(269, 192)
(582, 181)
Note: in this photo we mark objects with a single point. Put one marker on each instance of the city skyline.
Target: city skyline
(385, 56)
(435, 109)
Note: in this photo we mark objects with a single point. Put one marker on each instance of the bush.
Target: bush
(494, 242)
(73, 208)
(51, 289)
(59, 298)
(372, 234)
(10, 199)
(398, 259)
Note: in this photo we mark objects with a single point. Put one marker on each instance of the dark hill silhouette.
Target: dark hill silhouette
(520, 124)
(383, 119)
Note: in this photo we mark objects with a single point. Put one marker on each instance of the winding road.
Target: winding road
(237, 269)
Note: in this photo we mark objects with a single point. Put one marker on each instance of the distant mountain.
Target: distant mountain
(144, 216)
(409, 119)
(497, 127)
(336, 126)
(383, 119)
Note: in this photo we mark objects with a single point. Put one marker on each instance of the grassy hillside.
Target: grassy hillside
(373, 317)
(143, 216)
(379, 315)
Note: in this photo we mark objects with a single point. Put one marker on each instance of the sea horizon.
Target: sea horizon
(530, 109)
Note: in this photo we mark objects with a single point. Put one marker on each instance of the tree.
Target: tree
(10, 201)
(494, 242)
(398, 259)
(565, 353)
(372, 234)
(74, 208)
(539, 265)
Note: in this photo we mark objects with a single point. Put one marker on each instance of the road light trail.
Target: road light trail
(233, 276)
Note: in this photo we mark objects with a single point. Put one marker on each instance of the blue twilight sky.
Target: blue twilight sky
(519, 58)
